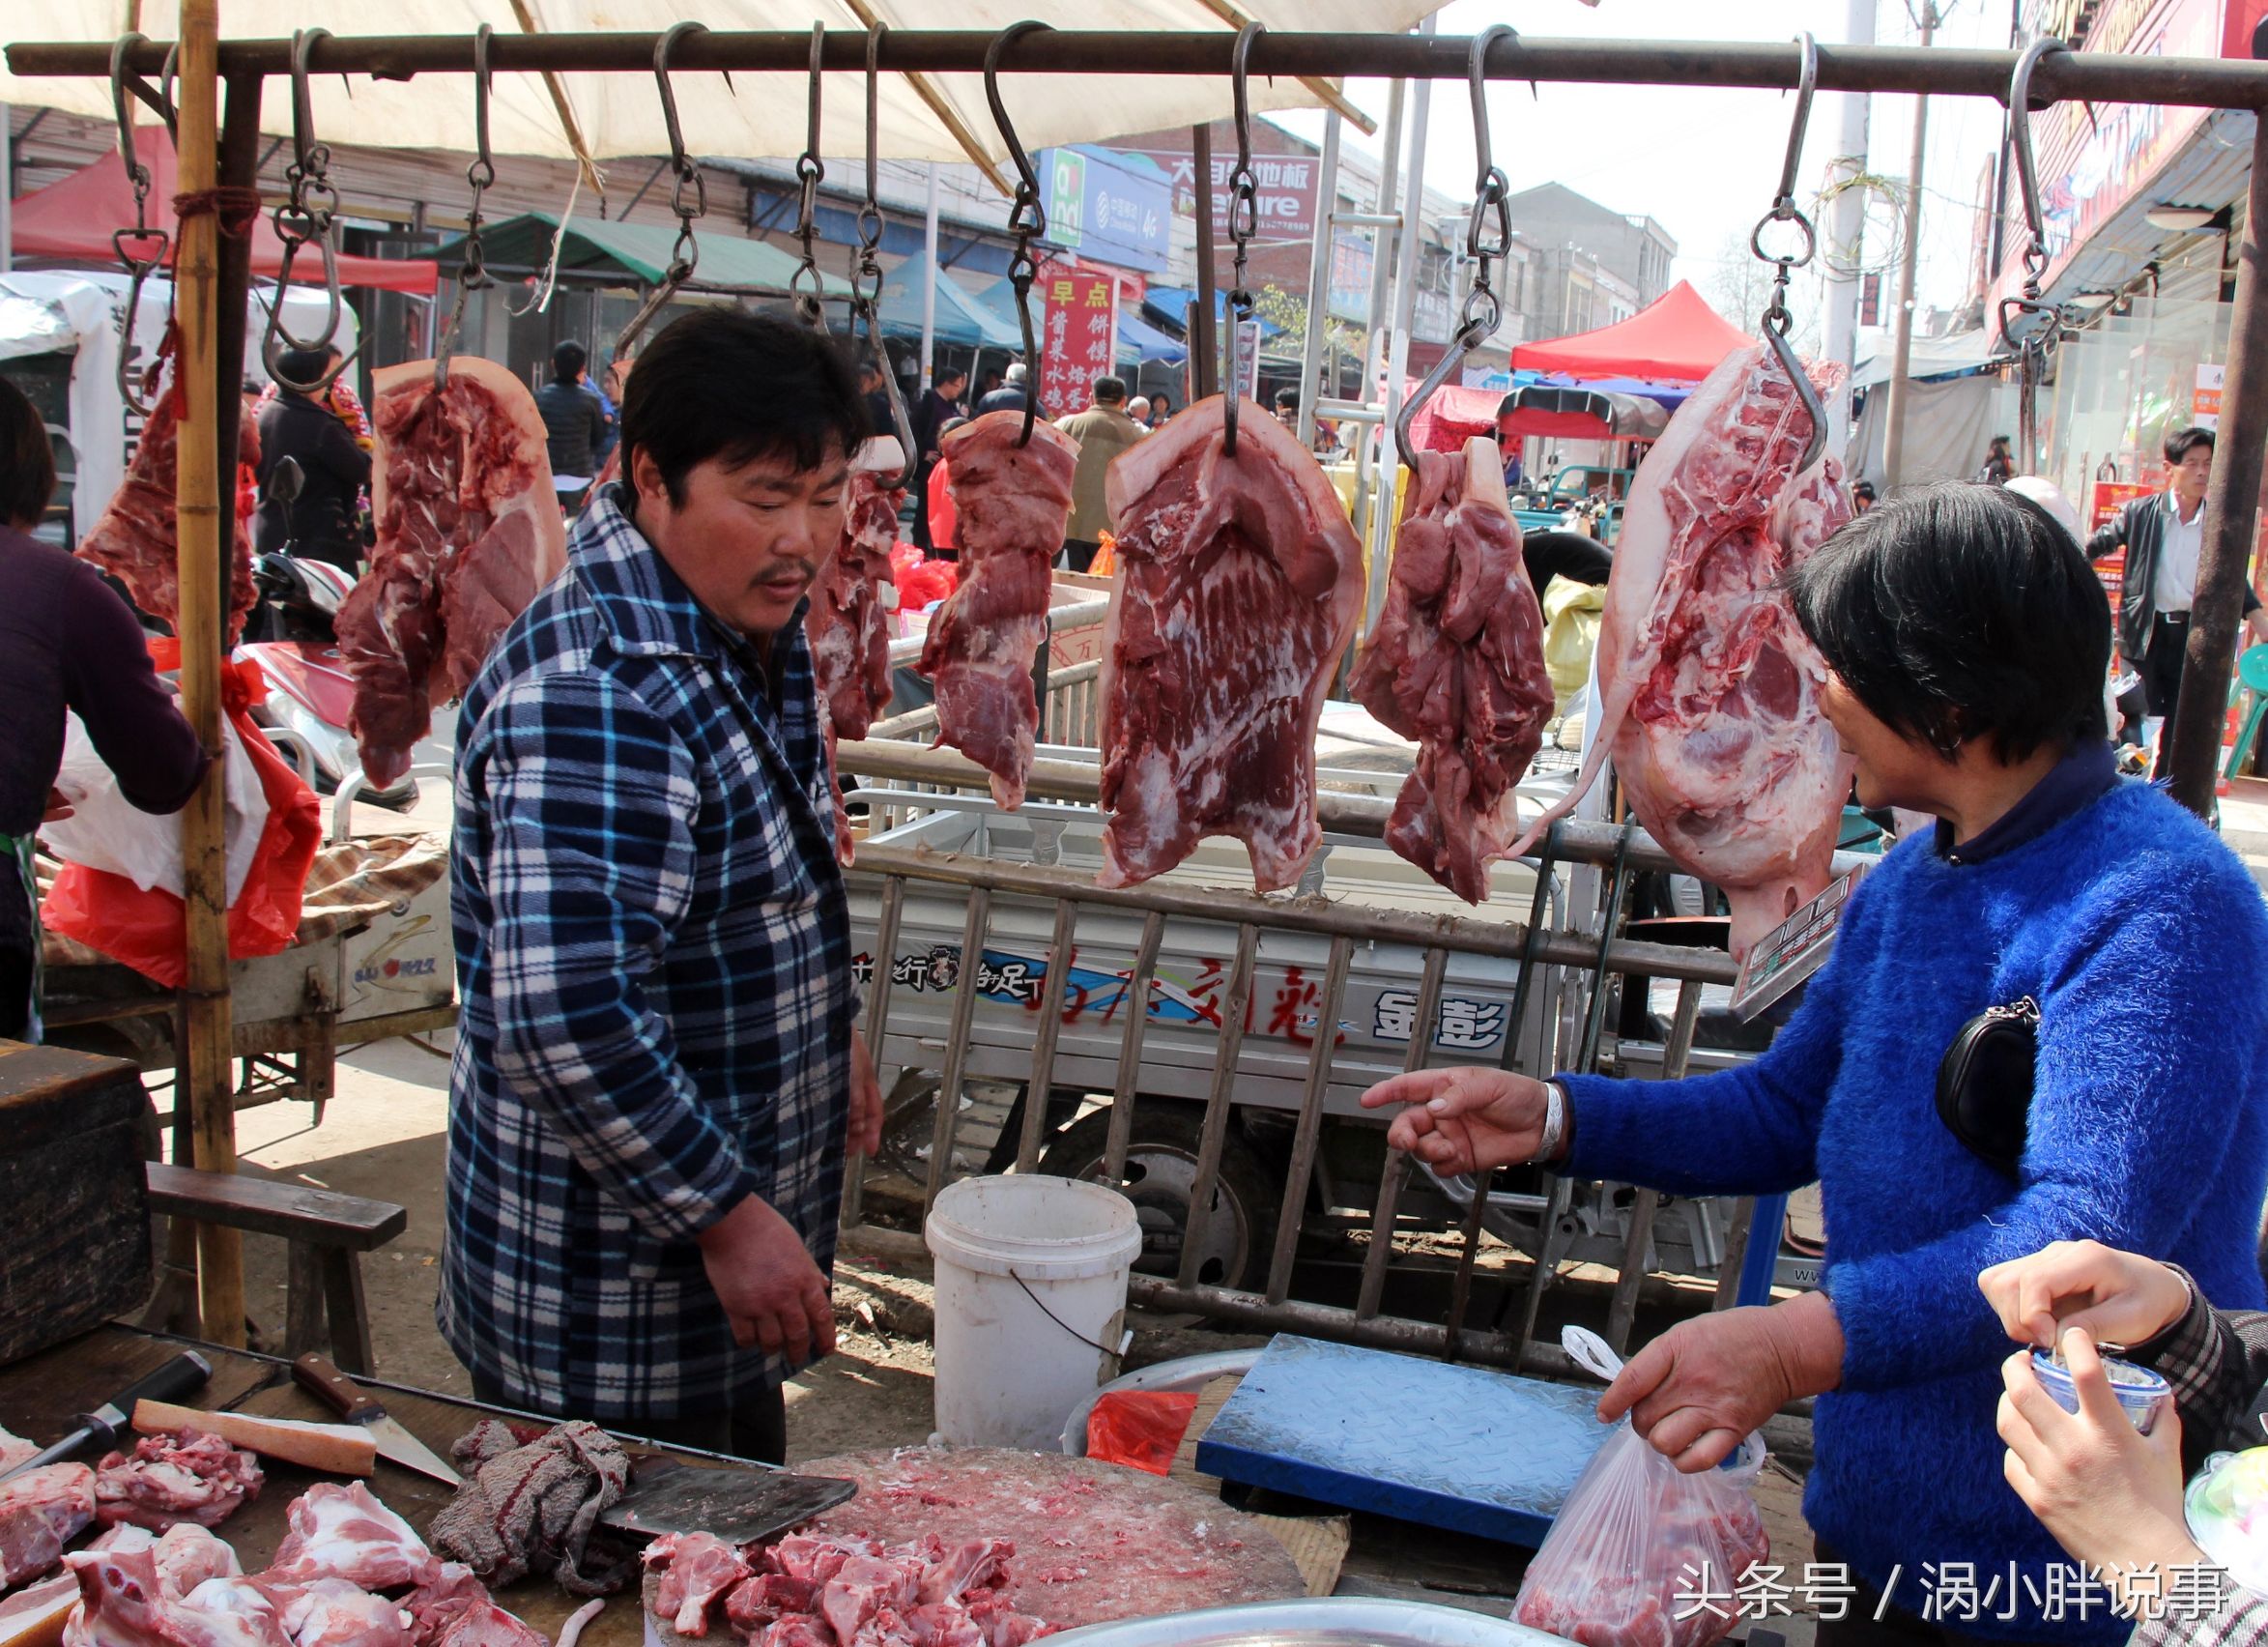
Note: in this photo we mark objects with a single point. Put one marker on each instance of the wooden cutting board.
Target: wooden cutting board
(1094, 1542)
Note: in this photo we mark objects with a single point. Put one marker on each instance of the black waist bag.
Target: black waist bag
(1985, 1083)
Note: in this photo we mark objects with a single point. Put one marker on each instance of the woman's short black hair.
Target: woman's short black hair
(2182, 442)
(27, 462)
(738, 388)
(1955, 612)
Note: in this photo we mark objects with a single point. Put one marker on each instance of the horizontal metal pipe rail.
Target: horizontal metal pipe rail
(2205, 82)
(906, 651)
(1337, 812)
(1063, 703)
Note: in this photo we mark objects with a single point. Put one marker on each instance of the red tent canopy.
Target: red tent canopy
(72, 222)
(1677, 338)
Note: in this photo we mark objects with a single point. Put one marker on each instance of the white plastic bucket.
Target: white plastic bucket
(1031, 1302)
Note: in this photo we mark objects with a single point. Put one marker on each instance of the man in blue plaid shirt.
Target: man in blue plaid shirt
(656, 1079)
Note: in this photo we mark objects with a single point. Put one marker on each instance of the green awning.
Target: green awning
(634, 255)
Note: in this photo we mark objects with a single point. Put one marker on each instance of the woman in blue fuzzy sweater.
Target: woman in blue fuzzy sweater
(1968, 644)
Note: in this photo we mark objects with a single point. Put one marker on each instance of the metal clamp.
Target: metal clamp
(1784, 209)
(1244, 216)
(1027, 220)
(307, 216)
(472, 275)
(806, 286)
(2034, 347)
(688, 199)
(1483, 310)
(866, 267)
(142, 249)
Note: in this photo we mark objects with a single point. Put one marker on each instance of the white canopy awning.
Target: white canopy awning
(762, 114)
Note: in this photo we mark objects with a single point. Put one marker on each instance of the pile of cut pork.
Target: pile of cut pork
(823, 1590)
(352, 1572)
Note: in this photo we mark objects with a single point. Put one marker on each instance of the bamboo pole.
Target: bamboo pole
(220, 1255)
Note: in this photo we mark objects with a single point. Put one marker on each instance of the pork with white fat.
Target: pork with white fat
(1238, 586)
(42, 1511)
(1014, 500)
(170, 1478)
(344, 1532)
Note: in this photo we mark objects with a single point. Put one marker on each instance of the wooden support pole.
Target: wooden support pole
(2231, 507)
(206, 1077)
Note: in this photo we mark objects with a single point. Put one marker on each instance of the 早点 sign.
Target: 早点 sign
(1079, 341)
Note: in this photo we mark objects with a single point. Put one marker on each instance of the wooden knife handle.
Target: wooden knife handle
(315, 1375)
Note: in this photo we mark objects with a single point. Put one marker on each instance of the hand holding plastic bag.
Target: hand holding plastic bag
(1641, 1554)
(109, 832)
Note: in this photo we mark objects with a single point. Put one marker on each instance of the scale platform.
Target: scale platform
(1458, 1446)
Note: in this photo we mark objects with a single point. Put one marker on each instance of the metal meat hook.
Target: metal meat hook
(472, 273)
(1027, 220)
(142, 249)
(305, 217)
(811, 304)
(2035, 251)
(1483, 311)
(866, 270)
(1244, 214)
(688, 199)
(1784, 209)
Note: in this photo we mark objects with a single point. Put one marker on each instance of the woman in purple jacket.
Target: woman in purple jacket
(67, 642)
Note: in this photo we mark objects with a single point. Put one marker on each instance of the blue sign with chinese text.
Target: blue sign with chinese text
(1109, 207)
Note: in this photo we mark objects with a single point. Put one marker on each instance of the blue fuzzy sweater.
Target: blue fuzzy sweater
(2145, 943)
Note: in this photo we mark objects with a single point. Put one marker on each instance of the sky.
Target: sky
(1704, 160)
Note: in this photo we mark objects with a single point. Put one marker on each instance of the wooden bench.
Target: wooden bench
(328, 1235)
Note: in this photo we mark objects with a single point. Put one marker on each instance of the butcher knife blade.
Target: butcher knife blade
(315, 1375)
(184, 1376)
(739, 1505)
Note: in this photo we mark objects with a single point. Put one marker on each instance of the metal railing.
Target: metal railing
(1584, 959)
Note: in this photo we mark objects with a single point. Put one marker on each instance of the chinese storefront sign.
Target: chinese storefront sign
(2205, 398)
(1285, 195)
(2111, 496)
(1080, 338)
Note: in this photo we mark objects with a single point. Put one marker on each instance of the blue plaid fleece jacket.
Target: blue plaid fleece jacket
(655, 956)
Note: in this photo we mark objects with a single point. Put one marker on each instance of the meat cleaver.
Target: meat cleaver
(738, 1505)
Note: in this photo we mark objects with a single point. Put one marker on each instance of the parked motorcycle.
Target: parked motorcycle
(290, 633)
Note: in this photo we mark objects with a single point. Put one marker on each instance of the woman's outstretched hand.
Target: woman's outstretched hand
(1463, 1121)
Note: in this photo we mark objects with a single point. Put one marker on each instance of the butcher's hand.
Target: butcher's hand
(1463, 1121)
(2110, 1495)
(1694, 1392)
(2118, 1297)
(58, 807)
(772, 1293)
(865, 1100)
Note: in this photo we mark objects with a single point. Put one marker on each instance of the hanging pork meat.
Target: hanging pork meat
(1238, 586)
(1456, 664)
(469, 531)
(1710, 688)
(1012, 502)
(847, 623)
(134, 539)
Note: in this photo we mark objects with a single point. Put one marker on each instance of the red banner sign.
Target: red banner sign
(1081, 340)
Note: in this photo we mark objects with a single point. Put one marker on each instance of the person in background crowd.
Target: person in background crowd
(2000, 463)
(1287, 408)
(574, 419)
(347, 407)
(944, 517)
(321, 523)
(1138, 409)
(2162, 536)
(875, 392)
(2112, 1496)
(993, 381)
(931, 413)
(1103, 431)
(1557, 554)
(657, 1085)
(67, 642)
(1862, 497)
(609, 392)
(1010, 396)
(1160, 408)
(1967, 641)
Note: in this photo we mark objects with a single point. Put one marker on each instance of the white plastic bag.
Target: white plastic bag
(1637, 1544)
(106, 831)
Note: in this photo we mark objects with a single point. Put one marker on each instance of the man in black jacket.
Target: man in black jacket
(2162, 536)
(1010, 396)
(574, 419)
(319, 524)
(940, 405)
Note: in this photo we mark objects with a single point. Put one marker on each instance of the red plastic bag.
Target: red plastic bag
(1640, 1555)
(147, 929)
(921, 581)
(1140, 1429)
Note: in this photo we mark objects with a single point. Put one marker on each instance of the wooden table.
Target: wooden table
(40, 1398)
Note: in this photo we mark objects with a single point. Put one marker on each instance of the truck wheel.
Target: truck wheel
(1162, 1170)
